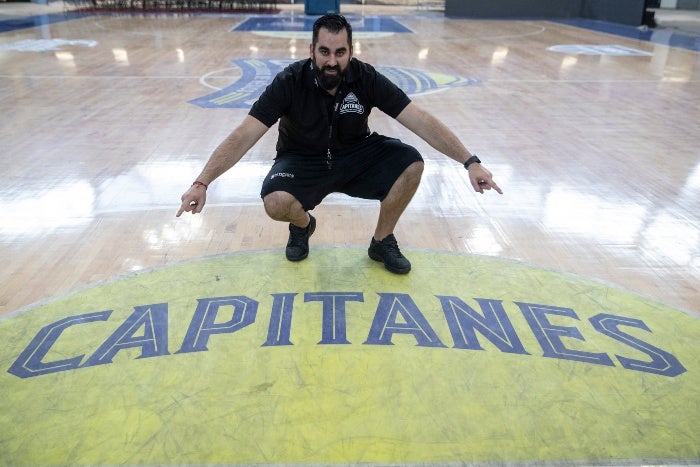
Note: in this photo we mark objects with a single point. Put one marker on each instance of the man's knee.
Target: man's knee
(279, 205)
(413, 172)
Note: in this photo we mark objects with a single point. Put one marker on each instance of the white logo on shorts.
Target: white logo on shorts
(281, 174)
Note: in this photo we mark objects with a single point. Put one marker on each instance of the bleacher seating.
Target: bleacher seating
(260, 6)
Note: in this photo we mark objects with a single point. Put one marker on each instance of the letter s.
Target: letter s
(662, 362)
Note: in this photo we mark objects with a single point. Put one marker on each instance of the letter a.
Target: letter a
(153, 343)
(384, 325)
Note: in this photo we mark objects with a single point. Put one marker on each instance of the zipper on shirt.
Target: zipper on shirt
(334, 118)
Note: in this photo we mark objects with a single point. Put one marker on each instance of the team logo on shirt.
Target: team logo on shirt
(253, 75)
(351, 104)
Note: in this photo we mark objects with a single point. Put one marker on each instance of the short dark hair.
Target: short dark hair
(334, 23)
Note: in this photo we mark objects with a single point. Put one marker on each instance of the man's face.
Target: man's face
(331, 57)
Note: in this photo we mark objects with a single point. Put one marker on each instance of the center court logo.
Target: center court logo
(470, 322)
(248, 358)
(256, 74)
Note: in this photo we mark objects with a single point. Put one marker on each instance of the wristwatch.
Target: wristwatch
(470, 160)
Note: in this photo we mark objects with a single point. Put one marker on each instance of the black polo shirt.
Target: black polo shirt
(312, 122)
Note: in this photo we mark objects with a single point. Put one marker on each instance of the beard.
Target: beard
(326, 81)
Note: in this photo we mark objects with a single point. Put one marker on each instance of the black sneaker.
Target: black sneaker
(387, 251)
(298, 244)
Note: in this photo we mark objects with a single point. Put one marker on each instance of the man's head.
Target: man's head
(331, 49)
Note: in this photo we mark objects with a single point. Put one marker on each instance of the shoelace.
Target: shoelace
(298, 236)
(392, 247)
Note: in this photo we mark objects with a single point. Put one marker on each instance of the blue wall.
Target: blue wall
(615, 11)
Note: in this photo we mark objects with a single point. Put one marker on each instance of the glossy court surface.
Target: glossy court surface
(554, 324)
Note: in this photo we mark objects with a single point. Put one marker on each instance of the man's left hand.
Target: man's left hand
(481, 178)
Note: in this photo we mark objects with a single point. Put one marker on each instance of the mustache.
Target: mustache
(336, 67)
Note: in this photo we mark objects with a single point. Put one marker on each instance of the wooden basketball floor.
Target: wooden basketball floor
(107, 118)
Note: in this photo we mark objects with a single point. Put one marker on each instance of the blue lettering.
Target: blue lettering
(153, 342)
(662, 362)
(494, 324)
(147, 328)
(549, 336)
(384, 325)
(30, 363)
(280, 320)
(203, 322)
(334, 329)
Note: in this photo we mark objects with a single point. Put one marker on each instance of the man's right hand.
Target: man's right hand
(193, 200)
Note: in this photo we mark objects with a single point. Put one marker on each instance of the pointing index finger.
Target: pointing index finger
(496, 187)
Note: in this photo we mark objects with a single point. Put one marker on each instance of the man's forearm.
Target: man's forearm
(444, 140)
(434, 132)
(232, 149)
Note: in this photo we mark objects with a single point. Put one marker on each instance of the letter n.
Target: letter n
(494, 324)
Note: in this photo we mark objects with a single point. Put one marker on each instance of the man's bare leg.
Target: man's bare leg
(401, 193)
(384, 247)
(282, 206)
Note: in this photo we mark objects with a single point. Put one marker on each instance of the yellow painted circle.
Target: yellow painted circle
(465, 359)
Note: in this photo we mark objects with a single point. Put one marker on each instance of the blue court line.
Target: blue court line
(15, 23)
(656, 36)
(305, 23)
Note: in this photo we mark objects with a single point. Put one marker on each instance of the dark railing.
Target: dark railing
(172, 5)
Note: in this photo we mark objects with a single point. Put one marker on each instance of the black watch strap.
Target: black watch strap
(471, 160)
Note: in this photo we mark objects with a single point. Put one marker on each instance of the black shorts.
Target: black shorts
(367, 171)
